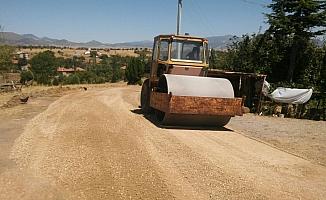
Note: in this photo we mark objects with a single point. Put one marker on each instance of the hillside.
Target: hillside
(10, 38)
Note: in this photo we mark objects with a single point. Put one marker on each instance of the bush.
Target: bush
(72, 79)
(44, 67)
(26, 76)
(134, 71)
(55, 82)
(6, 53)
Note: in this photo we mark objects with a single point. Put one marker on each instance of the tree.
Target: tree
(26, 76)
(253, 54)
(116, 70)
(79, 61)
(65, 62)
(143, 56)
(299, 21)
(6, 56)
(213, 59)
(134, 71)
(72, 79)
(323, 71)
(93, 55)
(44, 66)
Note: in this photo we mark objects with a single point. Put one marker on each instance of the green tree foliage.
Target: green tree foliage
(145, 56)
(44, 66)
(72, 79)
(286, 52)
(253, 54)
(116, 68)
(79, 61)
(103, 71)
(93, 55)
(6, 56)
(26, 76)
(65, 62)
(135, 70)
(213, 59)
(56, 81)
(263, 54)
(296, 22)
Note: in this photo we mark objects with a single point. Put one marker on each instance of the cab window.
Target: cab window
(155, 50)
(164, 50)
(187, 51)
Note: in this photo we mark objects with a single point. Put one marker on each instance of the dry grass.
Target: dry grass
(69, 53)
(10, 99)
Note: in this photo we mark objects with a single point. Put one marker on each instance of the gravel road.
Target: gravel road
(95, 145)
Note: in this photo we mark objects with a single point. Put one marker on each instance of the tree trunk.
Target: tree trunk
(293, 58)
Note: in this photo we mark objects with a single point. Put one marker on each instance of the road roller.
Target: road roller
(178, 91)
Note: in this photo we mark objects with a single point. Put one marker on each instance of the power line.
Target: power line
(200, 14)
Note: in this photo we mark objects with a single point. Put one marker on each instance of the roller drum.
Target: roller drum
(179, 85)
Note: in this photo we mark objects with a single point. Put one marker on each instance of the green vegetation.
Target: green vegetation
(44, 66)
(135, 71)
(287, 51)
(6, 55)
(26, 76)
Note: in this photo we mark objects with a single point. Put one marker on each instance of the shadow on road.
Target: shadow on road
(153, 120)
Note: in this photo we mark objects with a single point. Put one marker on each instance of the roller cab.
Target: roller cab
(178, 91)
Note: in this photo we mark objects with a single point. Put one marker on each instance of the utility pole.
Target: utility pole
(179, 16)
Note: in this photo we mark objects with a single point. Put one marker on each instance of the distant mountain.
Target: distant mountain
(10, 38)
(144, 43)
(30, 36)
(95, 43)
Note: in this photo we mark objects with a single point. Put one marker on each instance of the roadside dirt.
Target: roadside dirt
(304, 138)
(12, 123)
(94, 144)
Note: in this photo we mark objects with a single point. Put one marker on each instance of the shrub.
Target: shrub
(26, 76)
(134, 71)
(72, 79)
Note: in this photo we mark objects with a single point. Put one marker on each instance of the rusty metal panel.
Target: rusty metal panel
(160, 101)
(205, 105)
(196, 105)
(186, 70)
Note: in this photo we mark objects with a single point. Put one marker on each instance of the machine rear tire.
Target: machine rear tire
(145, 97)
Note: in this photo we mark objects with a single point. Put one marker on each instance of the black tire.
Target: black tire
(159, 116)
(145, 97)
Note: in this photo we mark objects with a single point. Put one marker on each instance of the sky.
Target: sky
(113, 21)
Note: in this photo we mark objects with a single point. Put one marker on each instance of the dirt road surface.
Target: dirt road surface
(96, 145)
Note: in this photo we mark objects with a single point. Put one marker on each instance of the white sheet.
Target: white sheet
(292, 96)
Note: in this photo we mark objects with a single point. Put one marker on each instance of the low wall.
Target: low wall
(9, 77)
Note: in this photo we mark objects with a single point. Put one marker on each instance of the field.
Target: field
(69, 53)
(96, 144)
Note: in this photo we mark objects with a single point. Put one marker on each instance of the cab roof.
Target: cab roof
(185, 37)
